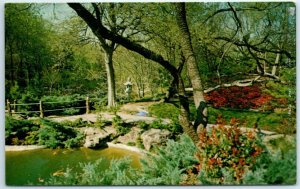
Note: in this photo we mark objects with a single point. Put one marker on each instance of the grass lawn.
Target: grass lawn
(278, 122)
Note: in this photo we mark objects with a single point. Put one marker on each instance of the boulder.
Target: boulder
(154, 136)
(96, 137)
(130, 137)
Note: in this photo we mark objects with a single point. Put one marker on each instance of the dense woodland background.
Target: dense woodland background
(62, 57)
(235, 45)
(206, 63)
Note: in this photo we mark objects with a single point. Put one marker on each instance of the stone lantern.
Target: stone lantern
(128, 88)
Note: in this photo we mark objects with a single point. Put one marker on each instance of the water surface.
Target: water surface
(33, 166)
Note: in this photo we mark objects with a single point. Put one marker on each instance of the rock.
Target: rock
(96, 137)
(131, 136)
(154, 136)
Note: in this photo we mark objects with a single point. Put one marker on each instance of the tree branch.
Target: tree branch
(100, 31)
(255, 48)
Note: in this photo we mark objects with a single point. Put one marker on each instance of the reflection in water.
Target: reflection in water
(34, 166)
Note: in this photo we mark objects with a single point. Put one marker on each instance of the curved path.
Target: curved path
(128, 118)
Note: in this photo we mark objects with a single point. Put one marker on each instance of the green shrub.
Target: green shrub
(32, 138)
(77, 123)
(167, 166)
(118, 172)
(64, 102)
(274, 169)
(19, 130)
(143, 125)
(70, 111)
(139, 143)
(158, 124)
(226, 153)
(54, 135)
(131, 143)
(100, 122)
(121, 127)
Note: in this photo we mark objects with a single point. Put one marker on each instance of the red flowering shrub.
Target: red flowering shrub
(238, 97)
(226, 153)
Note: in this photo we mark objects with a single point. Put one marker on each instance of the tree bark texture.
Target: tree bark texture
(111, 85)
(192, 67)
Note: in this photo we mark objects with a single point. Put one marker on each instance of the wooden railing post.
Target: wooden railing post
(15, 106)
(8, 107)
(87, 105)
(41, 109)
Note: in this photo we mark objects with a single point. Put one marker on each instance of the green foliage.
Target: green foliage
(278, 122)
(158, 124)
(226, 153)
(286, 90)
(100, 122)
(119, 172)
(176, 164)
(54, 135)
(143, 125)
(20, 132)
(283, 144)
(164, 110)
(274, 169)
(101, 104)
(43, 132)
(32, 138)
(167, 166)
(71, 111)
(174, 126)
(121, 127)
(66, 102)
(139, 142)
(131, 143)
(77, 123)
(114, 109)
(14, 91)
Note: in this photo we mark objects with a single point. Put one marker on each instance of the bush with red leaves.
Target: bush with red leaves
(238, 97)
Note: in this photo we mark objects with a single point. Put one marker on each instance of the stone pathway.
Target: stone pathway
(128, 118)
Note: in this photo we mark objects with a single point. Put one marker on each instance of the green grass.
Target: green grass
(164, 110)
(277, 122)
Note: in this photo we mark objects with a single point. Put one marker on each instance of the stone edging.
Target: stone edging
(125, 147)
(22, 148)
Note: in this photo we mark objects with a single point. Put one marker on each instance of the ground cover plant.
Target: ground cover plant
(182, 163)
(20, 132)
(42, 132)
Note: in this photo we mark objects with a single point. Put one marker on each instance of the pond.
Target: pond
(33, 166)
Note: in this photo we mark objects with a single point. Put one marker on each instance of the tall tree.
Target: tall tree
(192, 68)
(99, 30)
(26, 47)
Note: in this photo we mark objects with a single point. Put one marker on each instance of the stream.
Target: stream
(33, 166)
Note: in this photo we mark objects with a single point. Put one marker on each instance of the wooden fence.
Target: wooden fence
(11, 108)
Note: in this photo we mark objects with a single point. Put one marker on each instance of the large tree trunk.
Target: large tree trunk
(111, 85)
(192, 67)
(184, 116)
